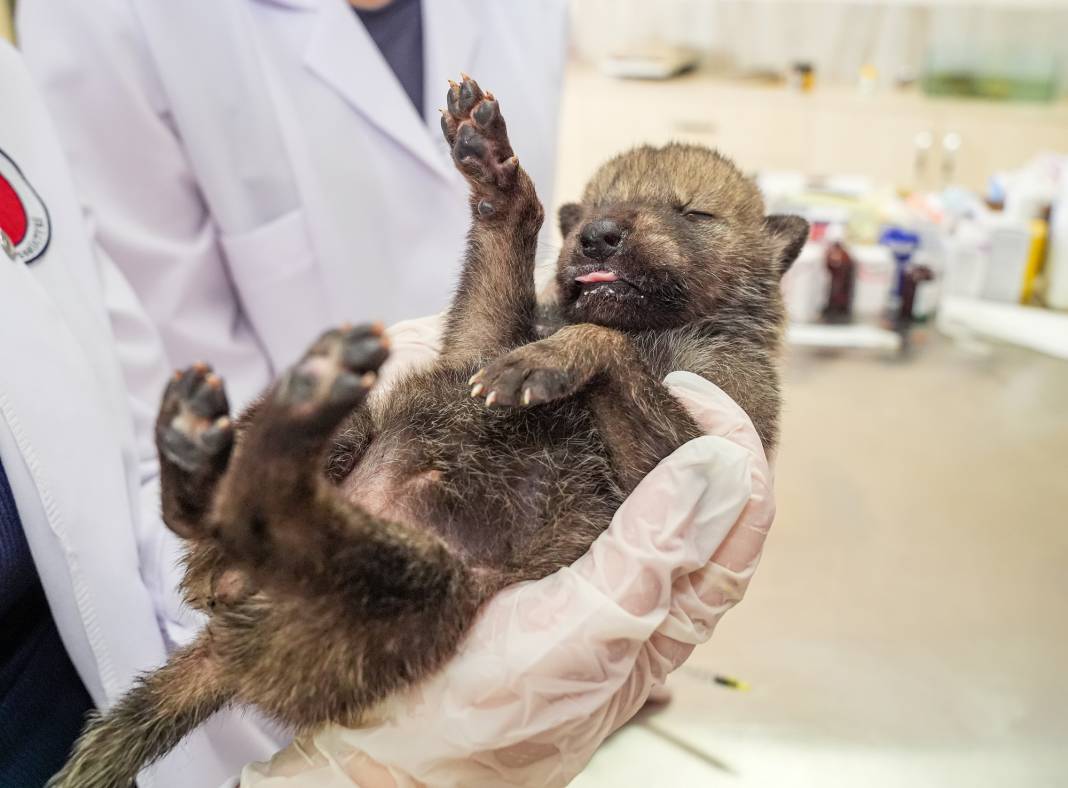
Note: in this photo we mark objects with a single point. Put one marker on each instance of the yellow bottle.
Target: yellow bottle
(1036, 257)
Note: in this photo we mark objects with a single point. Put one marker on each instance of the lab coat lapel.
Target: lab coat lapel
(62, 421)
(71, 487)
(450, 34)
(363, 78)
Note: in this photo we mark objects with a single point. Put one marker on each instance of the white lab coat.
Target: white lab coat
(257, 171)
(82, 469)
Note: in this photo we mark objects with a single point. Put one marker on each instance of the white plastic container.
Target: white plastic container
(1057, 257)
(874, 280)
(988, 258)
(965, 258)
(1009, 244)
(805, 285)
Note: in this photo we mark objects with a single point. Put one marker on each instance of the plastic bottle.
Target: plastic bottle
(914, 276)
(902, 244)
(843, 275)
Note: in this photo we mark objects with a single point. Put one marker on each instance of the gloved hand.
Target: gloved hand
(552, 667)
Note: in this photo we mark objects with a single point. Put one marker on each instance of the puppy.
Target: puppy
(342, 545)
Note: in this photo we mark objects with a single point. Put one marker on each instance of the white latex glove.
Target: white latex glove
(552, 667)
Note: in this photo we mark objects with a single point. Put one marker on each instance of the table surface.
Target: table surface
(907, 624)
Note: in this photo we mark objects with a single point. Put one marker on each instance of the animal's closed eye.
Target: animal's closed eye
(700, 216)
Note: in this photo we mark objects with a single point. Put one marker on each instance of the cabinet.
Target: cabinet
(833, 130)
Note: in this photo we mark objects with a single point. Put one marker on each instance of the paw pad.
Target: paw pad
(473, 126)
(194, 428)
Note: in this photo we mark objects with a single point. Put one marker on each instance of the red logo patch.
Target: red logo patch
(24, 218)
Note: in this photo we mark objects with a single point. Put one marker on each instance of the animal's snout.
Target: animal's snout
(601, 238)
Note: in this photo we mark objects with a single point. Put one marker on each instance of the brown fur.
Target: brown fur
(329, 592)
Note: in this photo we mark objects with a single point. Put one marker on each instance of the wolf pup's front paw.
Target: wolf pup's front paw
(194, 431)
(334, 377)
(523, 378)
(475, 129)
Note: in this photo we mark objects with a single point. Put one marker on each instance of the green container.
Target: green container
(1018, 76)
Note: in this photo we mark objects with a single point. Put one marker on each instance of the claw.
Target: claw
(478, 389)
(526, 396)
(474, 378)
(491, 398)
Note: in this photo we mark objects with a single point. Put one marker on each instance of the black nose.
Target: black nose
(600, 239)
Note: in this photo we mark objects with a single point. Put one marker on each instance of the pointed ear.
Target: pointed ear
(790, 234)
(570, 213)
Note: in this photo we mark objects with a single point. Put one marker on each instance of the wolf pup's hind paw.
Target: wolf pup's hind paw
(335, 376)
(194, 431)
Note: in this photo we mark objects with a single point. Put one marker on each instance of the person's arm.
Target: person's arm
(135, 182)
(145, 371)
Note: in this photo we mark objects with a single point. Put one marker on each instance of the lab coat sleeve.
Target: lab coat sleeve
(144, 369)
(135, 181)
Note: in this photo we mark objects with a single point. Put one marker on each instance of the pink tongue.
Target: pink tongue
(597, 276)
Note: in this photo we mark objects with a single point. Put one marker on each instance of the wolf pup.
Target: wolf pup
(341, 545)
